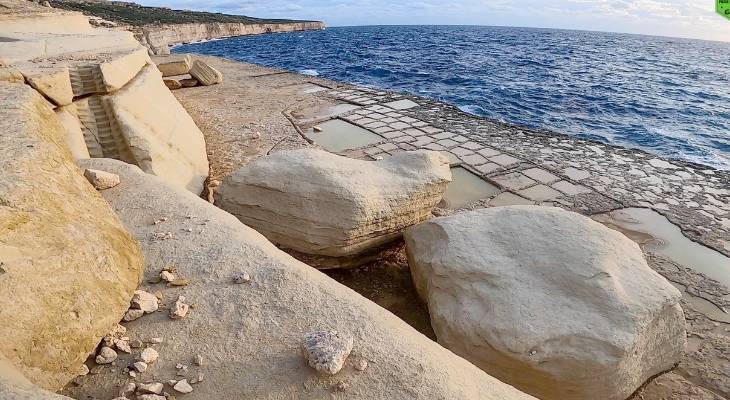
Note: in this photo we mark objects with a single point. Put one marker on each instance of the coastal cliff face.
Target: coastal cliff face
(159, 38)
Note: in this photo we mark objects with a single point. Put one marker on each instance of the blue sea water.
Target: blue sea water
(664, 95)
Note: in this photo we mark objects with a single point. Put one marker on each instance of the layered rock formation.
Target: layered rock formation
(159, 38)
(547, 300)
(67, 266)
(319, 203)
(110, 97)
(250, 332)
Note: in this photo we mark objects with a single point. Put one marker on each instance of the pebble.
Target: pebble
(243, 277)
(171, 382)
(341, 386)
(179, 309)
(327, 351)
(183, 386)
(199, 360)
(150, 388)
(135, 344)
(106, 355)
(167, 276)
(148, 355)
(132, 314)
(151, 397)
(127, 389)
(83, 370)
(132, 374)
(145, 301)
(155, 340)
(182, 371)
(122, 345)
(101, 179)
(361, 365)
(140, 366)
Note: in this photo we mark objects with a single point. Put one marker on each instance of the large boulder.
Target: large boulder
(250, 331)
(67, 266)
(547, 300)
(205, 74)
(174, 64)
(320, 203)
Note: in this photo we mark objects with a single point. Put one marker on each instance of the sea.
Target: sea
(667, 96)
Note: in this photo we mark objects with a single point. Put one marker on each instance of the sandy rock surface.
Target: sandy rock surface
(251, 333)
(547, 300)
(320, 203)
(67, 266)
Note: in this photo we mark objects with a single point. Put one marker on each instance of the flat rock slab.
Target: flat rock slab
(319, 203)
(547, 300)
(251, 333)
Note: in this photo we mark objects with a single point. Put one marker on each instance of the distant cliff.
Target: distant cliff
(159, 27)
(159, 38)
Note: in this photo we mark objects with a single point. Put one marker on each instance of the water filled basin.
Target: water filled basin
(338, 135)
(466, 187)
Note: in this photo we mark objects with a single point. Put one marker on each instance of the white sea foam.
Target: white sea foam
(310, 72)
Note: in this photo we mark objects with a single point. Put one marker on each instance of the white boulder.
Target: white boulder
(205, 74)
(173, 65)
(320, 203)
(547, 300)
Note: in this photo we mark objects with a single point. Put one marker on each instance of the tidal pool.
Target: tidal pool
(337, 135)
(466, 187)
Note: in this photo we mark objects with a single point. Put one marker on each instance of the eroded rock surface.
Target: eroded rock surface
(547, 300)
(68, 267)
(319, 203)
(14, 386)
(251, 334)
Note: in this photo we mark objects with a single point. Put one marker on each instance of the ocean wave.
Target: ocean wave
(310, 72)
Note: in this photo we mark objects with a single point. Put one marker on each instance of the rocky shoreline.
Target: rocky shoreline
(119, 279)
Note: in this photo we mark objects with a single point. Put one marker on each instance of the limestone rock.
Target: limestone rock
(10, 74)
(69, 265)
(132, 314)
(172, 84)
(101, 179)
(54, 83)
(256, 330)
(179, 309)
(145, 301)
(183, 386)
(146, 126)
(173, 65)
(148, 355)
(189, 82)
(106, 355)
(14, 386)
(68, 115)
(326, 351)
(320, 203)
(147, 388)
(140, 366)
(205, 74)
(547, 300)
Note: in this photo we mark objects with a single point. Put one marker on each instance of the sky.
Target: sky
(679, 18)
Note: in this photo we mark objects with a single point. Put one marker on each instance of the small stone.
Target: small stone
(150, 388)
(361, 365)
(135, 344)
(327, 351)
(317, 128)
(172, 84)
(243, 277)
(199, 379)
(140, 366)
(151, 397)
(182, 371)
(199, 360)
(149, 355)
(171, 382)
(83, 370)
(127, 389)
(340, 386)
(132, 374)
(144, 301)
(155, 340)
(101, 179)
(183, 386)
(167, 276)
(122, 345)
(179, 309)
(118, 331)
(132, 314)
(106, 355)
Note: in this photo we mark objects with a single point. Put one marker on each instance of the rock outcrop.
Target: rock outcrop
(320, 203)
(106, 87)
(251, 333)
(67, 266)
(14, 386)
(159, 38)
(547, 300)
